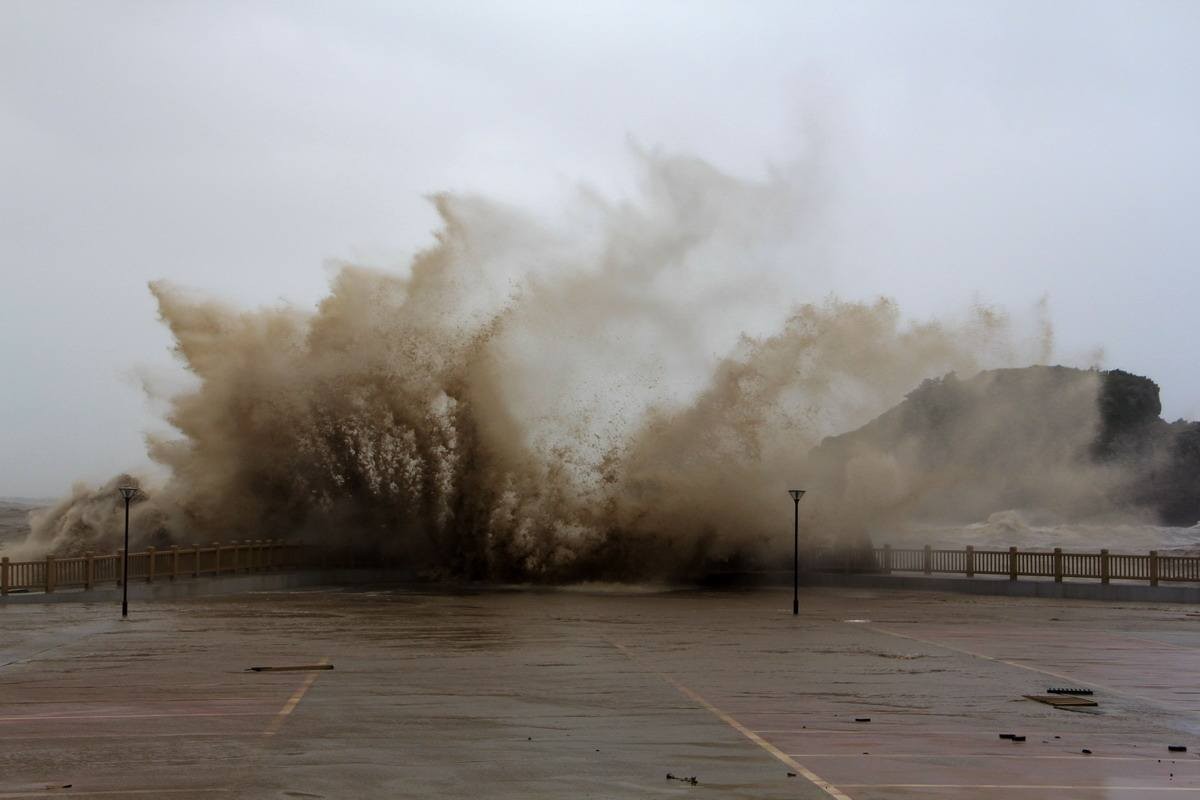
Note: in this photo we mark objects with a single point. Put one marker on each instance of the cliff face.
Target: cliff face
(1162, 460)
(1076, 442)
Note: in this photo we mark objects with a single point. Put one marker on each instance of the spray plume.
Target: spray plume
(538, 399)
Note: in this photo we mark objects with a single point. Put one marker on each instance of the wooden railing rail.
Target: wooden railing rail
(152, 564)
(1013, 563)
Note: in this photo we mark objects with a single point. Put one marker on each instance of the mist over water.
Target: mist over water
(620, 391)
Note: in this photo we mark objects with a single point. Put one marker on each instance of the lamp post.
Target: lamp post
(128, 492)
(796, 495)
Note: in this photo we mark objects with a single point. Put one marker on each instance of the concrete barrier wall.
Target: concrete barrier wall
(1069, 590)
(283, 581)
(206, 587)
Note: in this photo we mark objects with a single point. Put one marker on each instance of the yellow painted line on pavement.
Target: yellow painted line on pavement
(294, 701)
(800, 769)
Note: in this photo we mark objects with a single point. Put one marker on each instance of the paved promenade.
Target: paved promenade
(548, 694)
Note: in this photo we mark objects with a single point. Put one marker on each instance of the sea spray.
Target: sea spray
(534, 399)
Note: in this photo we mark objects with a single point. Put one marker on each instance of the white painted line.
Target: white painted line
(55, 717)
(1030, 786)
(1007, 662)
(109, 792)
(800, 769)
(1080, 756)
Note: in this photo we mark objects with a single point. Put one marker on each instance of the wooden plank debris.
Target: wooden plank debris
(1061, 700)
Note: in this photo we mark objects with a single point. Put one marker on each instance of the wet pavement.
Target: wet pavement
(548, 694)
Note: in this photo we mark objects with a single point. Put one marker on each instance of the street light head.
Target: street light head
(796, 494)
(128, 492)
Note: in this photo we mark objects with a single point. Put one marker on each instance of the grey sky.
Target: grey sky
(993, 151)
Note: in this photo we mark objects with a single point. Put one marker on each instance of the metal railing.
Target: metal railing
(1013, 563)
(87, 571)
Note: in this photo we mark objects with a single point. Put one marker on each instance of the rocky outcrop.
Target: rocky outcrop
(1079, 442)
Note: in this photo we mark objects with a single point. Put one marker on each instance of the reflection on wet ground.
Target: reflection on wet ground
(529, 694)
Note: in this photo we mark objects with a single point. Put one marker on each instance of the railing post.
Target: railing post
(1012, 563)
(927, 560)
(256, 560)
(4, 578)
(90, 577)
(196, 560)
(970, 561)
(237, 552)
(1154, 568)
(272, 544)
(49, 574)
(216, 558)
(121, 566)
(174, 561)
(1104, 566)
(1058, 570)
(149, 565)
(887, 559)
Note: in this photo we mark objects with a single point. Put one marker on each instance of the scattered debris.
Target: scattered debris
(862, 719)
(791, 774)
(1086, 752)
(1069, 691)
(1061, 701)
(692, 780)
(1177, 748)
(1018, 738)
(301, 668)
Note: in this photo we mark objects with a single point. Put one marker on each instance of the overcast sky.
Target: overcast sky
(993, 151)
